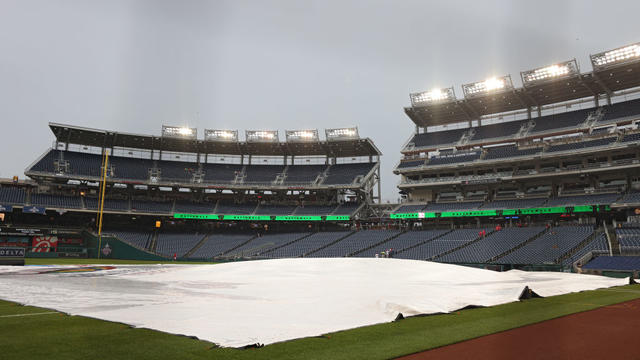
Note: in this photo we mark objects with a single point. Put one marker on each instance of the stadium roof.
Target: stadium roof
(108, 139)
(613, 70)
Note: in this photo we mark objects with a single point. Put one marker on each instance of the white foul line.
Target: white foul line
(31, 314)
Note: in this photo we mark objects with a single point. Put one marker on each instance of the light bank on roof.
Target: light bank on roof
(612, 71)
(341, 142)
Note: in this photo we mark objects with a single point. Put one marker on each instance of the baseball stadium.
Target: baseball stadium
(516, 234)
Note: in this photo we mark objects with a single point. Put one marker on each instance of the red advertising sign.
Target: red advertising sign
(45, 243)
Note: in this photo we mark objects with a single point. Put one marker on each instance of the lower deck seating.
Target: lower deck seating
(624, 263)
(262, 244)
(169, 244)
(218, 244)
(442, 244)
(307, 244)
(549, 247)
(357, 241)
(139, 239)
(493, 245)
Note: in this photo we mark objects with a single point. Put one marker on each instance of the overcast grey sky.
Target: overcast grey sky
(133, 65)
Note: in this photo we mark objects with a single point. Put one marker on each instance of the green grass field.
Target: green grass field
(50, 335)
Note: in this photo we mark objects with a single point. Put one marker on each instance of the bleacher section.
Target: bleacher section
(264, 243)
(441, 245)
(583, 200)
(515, 204)
(622, 110)
(435, 207)
(138, 239)
(493, 131)
(509, 151)
(624, 263)
(274, 210)
(346, 174)
(72, 163)
(598, 244)
(403, 241)
(491, 246)
(56, 201)
(262, 174)
(109, 204)
(220, 173)
(307, 245)
(303, 174)
(218, 244)
(355, 242)
(560, 121)
(169, 244)
(433, 139)
(229, 208)
(151, 206)
(314, 210)
(194, 208)
(629, 239)
(12, 195)
(549, 247)
(582, 144)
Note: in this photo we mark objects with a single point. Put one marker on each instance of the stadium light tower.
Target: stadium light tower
(180, 132)
(490, 85)
(342, 134)
(549, 73)
(432, 96)
(615, 57)
(264, 136)
(302, 135)
(221, 135)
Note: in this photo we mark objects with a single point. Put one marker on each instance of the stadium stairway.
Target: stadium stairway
(495, 258)
(154, 242)
(376, 244)
(612, 236)
(288, 243)
(462, 246)
(329, 244)
(239, 245)
(198, 245)
(597, 232)
(426, 241)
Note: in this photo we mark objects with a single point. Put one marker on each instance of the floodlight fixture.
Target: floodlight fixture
(180, 132)
(432, 96)
(622, 55)
(221, 135)
(490, 85)
(342, 134)
(550, 73)
(264, 136)
(302, 135)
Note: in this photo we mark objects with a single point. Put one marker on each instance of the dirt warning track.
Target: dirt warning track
(609, 332)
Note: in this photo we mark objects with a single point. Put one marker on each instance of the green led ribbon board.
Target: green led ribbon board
(543, 210)
(338, 218)
(468, 213)
(247, 217)
(413, 215)
(196, 216)
(583, 208)
(298, 218)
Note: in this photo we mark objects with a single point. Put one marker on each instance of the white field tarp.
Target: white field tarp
(244, 303)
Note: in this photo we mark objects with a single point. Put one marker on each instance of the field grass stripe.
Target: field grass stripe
(28, 314)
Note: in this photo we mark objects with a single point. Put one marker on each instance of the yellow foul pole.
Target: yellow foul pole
(103, 188)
